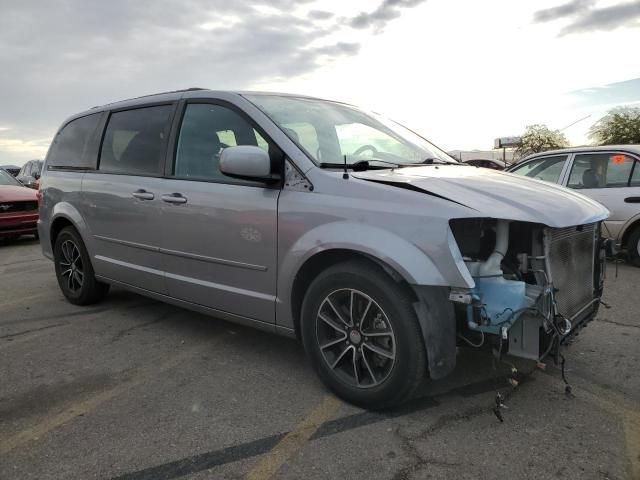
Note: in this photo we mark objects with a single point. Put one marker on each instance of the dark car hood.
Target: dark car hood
(496, 194)
(10, 193)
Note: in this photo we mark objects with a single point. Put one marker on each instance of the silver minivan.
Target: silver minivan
(608, 174)
(321, 221)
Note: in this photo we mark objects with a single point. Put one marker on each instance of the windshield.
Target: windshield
(328, 131)
(7, 179)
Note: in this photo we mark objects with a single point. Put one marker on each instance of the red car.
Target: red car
(18, 208)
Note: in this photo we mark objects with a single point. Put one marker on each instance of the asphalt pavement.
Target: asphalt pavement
(135, 389)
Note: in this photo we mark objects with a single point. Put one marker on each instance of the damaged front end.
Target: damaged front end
(535, 286)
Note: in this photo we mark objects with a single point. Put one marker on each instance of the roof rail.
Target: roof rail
(190, 89)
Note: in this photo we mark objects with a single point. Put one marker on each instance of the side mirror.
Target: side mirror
(246, 161)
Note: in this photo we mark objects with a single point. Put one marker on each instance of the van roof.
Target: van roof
(631, 148)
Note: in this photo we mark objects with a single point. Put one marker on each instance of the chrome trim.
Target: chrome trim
(182, 278)
(220, 314)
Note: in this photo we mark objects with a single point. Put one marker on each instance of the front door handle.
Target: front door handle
(174, 198)
(632, 200)
(142, 195)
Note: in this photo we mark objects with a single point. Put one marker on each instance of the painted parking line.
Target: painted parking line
(243, 451)
(295, 440)
(84, 407)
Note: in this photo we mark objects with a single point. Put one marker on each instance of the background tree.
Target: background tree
(619, 126)
(540, 138)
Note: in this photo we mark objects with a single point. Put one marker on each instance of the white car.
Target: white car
(609, 174)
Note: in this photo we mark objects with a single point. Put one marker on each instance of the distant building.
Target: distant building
(463, 155)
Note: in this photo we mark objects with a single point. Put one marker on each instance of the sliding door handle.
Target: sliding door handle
(142, 195)
(174, 198)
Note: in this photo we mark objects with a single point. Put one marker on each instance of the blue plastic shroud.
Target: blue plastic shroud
(499, 300)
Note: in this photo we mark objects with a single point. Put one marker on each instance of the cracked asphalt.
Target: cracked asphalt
(135, 389)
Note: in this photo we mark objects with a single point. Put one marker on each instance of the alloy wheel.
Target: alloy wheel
(71, 268)
(355, 338)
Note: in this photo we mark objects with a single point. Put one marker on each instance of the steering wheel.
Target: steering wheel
(364, 148)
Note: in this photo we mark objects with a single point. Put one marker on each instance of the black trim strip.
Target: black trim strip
(176, 253)
(413, 188)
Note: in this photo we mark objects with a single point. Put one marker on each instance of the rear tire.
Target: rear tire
(362, 335)
(633, 247)
(74, 271)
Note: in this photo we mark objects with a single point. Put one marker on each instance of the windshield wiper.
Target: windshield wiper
(363, 165)
(369, 164)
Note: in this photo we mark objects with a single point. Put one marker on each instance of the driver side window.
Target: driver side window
(206, 130)
(546, 168)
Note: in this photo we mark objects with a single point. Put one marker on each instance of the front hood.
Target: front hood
(10, 193)
(496, 194)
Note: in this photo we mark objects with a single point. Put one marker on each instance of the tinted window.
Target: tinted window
(75, 145)
(7, 179)
(546, 168)
(206, 130)
(635, 176)
(134, 141)
(600, 170)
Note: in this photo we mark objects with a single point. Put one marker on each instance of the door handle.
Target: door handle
(174, 198)
(143, 195)
(632, 200)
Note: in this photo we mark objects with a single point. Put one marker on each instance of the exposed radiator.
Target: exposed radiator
(571, 253)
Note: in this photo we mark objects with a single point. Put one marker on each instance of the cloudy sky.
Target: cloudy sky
(460, 72)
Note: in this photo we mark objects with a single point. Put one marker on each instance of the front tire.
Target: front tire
(633, 247)
(74, 271)
(362, 335)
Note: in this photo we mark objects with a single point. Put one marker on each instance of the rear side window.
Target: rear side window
(600, 170)
(76, 146)
(546, 168)
(635, 176)
(135, 140)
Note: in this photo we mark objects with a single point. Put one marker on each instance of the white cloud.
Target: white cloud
(461, 73)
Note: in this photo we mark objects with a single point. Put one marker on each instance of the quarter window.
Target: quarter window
(206, 130)
(75, 145)
(635, 176)
(600, 170)
(135, 140)
(546, 168)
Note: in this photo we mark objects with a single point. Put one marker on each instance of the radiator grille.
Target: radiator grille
(10, 207)
(572, 257)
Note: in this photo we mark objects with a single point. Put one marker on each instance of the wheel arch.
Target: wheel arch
(324, 259)
(64, 214)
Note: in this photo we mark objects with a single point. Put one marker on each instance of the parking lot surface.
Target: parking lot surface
(135, 389)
